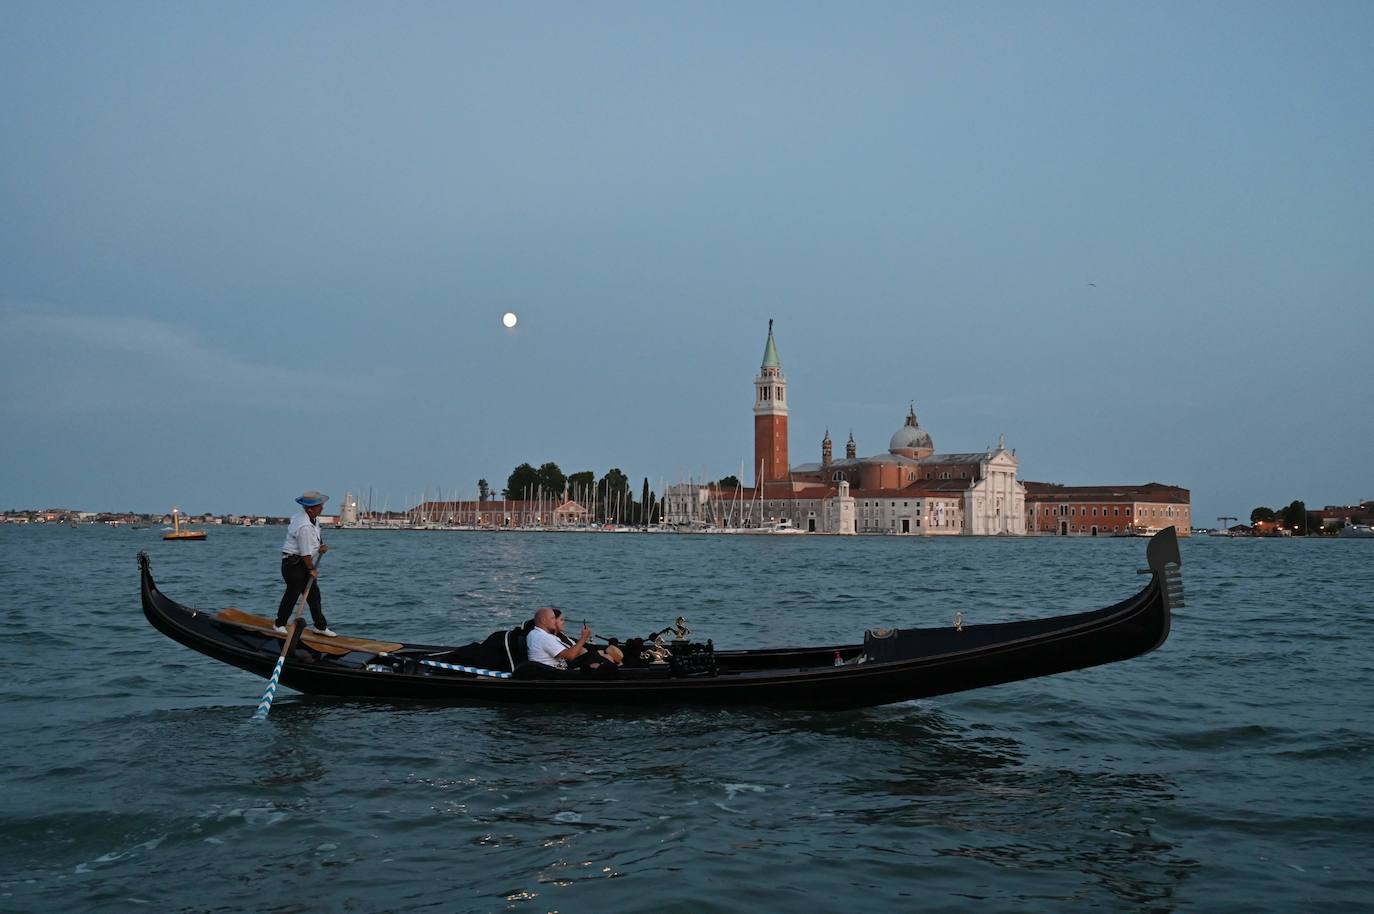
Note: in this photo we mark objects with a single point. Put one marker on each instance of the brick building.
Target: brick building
(1106, 510)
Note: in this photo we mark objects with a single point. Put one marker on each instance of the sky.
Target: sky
(255, 248)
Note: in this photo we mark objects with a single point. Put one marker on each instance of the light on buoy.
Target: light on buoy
(509, 319)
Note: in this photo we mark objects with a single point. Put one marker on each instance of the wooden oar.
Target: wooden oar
(292, 637)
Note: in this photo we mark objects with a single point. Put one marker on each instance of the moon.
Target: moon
(509, 319)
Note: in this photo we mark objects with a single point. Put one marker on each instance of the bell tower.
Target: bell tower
(770, 417)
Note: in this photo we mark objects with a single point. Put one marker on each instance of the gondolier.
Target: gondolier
(299, 553)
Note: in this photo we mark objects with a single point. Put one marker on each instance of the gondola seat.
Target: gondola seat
(502, 650)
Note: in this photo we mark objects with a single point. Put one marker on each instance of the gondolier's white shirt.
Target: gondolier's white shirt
(545, 648)
(302, 537)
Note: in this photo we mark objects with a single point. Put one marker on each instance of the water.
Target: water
(1229, 771)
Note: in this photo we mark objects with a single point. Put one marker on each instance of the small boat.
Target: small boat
(177, 533)
(1356, 531)
(889, 665)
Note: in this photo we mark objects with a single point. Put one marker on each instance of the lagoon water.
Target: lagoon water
(1228, 771)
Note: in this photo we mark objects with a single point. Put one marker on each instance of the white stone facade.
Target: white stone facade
(996, 503)
(686, 505)
(911, 515)
(348, 511)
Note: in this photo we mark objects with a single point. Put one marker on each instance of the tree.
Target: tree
(645, 502)
(483, 490)
(523, 479)
(613, 492)
(551, 479)
(580, 485)
(1262, 514)
(1295, 518)
(729, 482)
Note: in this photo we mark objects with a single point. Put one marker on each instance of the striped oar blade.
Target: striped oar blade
(496, 674)
(265, 705)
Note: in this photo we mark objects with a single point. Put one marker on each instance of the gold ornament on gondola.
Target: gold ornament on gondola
(656, 651)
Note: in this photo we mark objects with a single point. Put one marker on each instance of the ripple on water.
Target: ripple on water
(1227, 771)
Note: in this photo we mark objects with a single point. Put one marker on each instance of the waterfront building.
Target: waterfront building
(1334, 516)
(348, 510)
(687, 504)
(570, 514)
(911, 489)
(1060, 510)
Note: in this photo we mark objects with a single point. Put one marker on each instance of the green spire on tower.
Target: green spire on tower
(770, 352)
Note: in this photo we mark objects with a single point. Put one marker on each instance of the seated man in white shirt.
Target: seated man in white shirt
(547, 644)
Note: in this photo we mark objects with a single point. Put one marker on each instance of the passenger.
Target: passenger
(547, 644)
(609, 652)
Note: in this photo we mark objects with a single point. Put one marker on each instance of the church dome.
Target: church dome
(910, 437)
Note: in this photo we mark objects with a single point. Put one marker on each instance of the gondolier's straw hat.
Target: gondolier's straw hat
(311, 499)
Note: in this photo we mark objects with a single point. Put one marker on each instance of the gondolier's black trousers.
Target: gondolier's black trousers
(296, 576)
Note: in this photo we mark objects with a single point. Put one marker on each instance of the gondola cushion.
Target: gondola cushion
(501, 650)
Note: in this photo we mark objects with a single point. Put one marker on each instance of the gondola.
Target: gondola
(669, 669)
